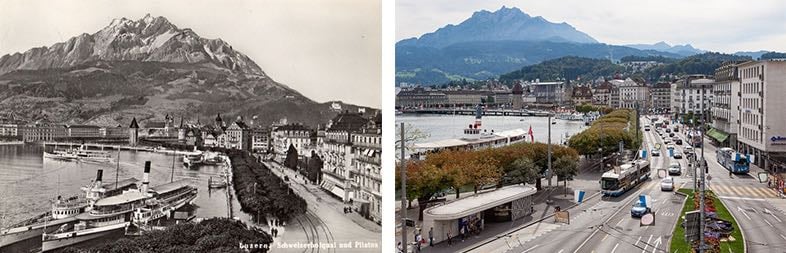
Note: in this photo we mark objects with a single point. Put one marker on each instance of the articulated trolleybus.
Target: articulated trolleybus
(733, 161)
(617, 181)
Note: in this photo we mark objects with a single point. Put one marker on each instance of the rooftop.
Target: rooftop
(126, 197)
(479, 202)
(164, 188)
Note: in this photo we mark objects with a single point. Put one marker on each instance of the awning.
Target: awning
(718, 135)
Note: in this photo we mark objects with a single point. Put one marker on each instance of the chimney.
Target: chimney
(99, 175)
(146, 177)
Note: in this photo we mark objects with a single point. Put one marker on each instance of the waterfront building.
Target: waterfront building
(517, 100)
(36, 133)
(725, 103)
(602, 94)
(83, 132)
(133, 133)
(420, 97)
(367, 150)
(548, 92)
(692, 95)
(762, 128)
(260, 140)
(469, 98)
(336, 151)
(117, 132)
(238, 136)
(633, 93)
(660, 96)
(582, 95)
(9, 130)
(296, 135)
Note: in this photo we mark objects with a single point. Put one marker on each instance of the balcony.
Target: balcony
(372, 160)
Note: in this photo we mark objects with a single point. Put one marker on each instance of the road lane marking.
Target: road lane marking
(773, 215)
(536, 245)
(759, 192)
(768, 223)
(657, 243)
(637, 241)
(604, 238)
(615, 247)
(647, 244)
(782, 236)
(743, 212)
(741, 198)
(618, 223)
(560, 251)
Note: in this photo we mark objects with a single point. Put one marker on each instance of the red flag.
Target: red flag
(531, 135)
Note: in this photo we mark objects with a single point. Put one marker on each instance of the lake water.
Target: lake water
(440, 127)
(28, 182)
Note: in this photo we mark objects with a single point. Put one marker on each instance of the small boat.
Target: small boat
(63, 155)
(212, 158)
(193, 159)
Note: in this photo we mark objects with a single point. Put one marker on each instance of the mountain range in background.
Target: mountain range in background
(502, 25)
(147, 68)
(490, 44)
(683, 50)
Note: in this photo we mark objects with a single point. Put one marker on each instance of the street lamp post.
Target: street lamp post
(403, 193)
(548, 170)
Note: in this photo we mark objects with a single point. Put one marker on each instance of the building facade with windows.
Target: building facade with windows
(692, 95)
(725, 105)
(660, 94)
(762, 128)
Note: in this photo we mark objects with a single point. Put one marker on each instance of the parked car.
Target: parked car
(675, 168)
(667, 184)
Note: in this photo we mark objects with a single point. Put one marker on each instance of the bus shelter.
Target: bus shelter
(468, 214)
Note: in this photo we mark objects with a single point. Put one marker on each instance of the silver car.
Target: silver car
(667, 184)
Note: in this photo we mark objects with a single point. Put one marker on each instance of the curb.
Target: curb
(514, 230)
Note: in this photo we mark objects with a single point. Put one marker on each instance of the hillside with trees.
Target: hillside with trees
(705, 63)
(569, 67)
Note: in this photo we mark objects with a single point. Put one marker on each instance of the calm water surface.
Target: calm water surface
(440, 127)
(28, 182)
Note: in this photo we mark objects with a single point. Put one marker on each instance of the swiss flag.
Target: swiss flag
(531, 135)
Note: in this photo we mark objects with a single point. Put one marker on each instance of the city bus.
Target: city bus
(735, 162)
(619, 180)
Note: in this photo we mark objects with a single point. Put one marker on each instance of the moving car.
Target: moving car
(671, 134)
(667, 184)
(639, 209)
(668, 130)
(677, 155)
(655, 152)
(678, 141)
(675, 168)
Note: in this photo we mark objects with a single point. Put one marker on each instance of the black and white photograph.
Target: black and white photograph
(190, 126)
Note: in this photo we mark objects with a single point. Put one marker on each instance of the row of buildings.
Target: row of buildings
(349, 145)
(745, 110)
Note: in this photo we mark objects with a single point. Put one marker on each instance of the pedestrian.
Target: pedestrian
(730, 174)
(398, 248)
(431, 236)
(450, 238)
(419, 241)
(462, 231)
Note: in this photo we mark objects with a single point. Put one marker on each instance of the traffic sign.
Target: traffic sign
(647, 220)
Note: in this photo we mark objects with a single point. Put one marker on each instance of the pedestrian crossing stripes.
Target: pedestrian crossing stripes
(744, 191)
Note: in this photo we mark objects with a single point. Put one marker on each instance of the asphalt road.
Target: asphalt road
(749, 201)
(605, 224)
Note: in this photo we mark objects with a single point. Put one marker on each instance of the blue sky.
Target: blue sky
(725, 26)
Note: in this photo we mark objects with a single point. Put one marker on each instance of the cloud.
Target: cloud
(724, 25)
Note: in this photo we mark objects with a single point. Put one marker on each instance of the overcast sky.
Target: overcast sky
(715, 25)
(325, 49)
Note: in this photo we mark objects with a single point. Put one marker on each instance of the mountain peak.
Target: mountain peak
(150, 38)
(506, 23)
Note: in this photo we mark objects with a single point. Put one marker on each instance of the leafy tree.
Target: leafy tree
(773, 55)
(522, 170)
(292, 157)
(481, 171)
(565, 168)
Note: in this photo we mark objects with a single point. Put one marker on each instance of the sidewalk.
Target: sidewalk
(322, 196)
(543, 209)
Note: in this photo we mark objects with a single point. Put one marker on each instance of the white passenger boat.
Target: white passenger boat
(64, 210)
